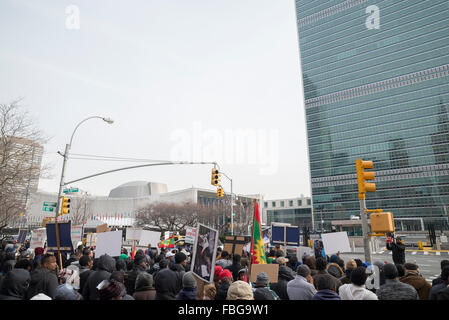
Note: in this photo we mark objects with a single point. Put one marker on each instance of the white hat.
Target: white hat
(169, 254)
(185, 252)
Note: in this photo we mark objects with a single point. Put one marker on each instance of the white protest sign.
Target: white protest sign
(76, 233)
(38, 238)
(335, 241)
(166, 235)
(109, 243)
(190, 235)
(301, 251)
(133, 234)
(91, 239)
(149, 237)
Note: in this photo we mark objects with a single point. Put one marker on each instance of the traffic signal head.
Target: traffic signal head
(220, 192)
(65, 206)
(215, 179)
(362, 175)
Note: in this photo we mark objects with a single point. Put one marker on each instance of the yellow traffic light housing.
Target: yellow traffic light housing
(215, 179)
(363, 175)
(382, 222)
(220, 193)
(65, 206)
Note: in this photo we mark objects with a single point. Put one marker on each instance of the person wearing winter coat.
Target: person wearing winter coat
(240, 290)
(15, 285)
(262, 291)
(144, 289)
(413, 278)
(140, 265)
(398, 251)
(85, 269)
(235, 267)
(326, 286)
(285, 275)
(224, 260)
(440, 286)
(10, 261)
(225, 281)
(179, 265)
(393, 289)
(188, 291)
(310, 261)
(350, 266)
(301, 288)
(105, 267)
(438, 280)
(165, 282)
(44, 279)
(356, 289)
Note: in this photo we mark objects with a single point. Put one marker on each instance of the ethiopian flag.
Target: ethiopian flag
(168, 243)
(257, 247)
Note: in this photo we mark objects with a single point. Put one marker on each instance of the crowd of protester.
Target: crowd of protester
(164, 275)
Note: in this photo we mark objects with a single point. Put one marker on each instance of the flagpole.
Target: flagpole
(252, 239)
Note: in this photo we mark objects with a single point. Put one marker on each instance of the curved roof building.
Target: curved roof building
(138, 189)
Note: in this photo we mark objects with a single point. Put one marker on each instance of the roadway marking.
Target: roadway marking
(414, 252)
(426, 253)
(438, 253)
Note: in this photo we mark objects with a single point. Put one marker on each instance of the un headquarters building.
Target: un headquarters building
(376, 87)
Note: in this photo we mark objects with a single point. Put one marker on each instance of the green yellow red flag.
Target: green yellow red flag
(257, 246)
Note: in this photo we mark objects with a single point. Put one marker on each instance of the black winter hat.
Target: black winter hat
(180, 257)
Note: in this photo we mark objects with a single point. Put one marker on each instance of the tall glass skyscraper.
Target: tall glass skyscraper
(376, 85)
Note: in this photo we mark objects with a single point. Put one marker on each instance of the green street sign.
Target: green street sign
(49, 204)
(71, 190)
(49, 209)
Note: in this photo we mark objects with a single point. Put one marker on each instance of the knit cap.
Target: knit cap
(188, 280)
(262, 279)
(240, 290)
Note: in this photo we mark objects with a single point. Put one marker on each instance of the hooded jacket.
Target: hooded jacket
(395, 290)
(335, 270)
(443, 294)
(263, 293)
(131, 279)
(187, 293)
(105, 266)
(285, 275)
(165, 284)
(326, 295)
(300, 289)
(222, 291)
(42, 281)
(180, 271)
(15, 285)
(353, 292)
(419, 283)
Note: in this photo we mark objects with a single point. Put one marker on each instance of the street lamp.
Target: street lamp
(61, 184)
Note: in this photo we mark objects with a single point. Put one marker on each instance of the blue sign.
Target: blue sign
(285, 235)
(65, 240)
(22, 236)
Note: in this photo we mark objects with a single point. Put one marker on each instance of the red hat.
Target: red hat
(218, 270)
(225, 275)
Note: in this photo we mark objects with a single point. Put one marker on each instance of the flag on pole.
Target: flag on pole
(257, 246)
(168, 243)
(133, 253)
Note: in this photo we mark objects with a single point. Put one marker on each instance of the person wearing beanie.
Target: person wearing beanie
(301, 287)
(105, 267)
(414, 278)
(224, 283)
(393, 289)
(326, 286)
(110, 290)
(144, 289)
(179, 265)
(350, 265)
(15, 285)
(262, 291)
(140, 265)
(240, 290)
(188, 291)
(356, 289)
(217, 272)
(165, 282)
(285, 274)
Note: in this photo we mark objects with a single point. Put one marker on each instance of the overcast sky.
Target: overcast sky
(186, 80)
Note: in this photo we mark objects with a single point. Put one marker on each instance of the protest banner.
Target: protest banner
(190, 235)
(271, 270)
(235, 244)
(149, 237)
(204, 253)
(65, 241)
(133, 234)
(303, 251)
(76, 235)
(109, 243)
(335, 241)
(91, 240)
(38, 238)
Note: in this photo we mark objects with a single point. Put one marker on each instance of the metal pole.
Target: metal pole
(366, 237)
(232, 211)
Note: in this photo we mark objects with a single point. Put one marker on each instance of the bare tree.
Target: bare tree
(79, 209)
(20, 156)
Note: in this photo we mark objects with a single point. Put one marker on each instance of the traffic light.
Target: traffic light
(382, 222)
(65, 206)
(220, 193)
(364, 175)
(215, 179)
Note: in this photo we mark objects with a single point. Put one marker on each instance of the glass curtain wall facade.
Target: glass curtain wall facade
(376, 85)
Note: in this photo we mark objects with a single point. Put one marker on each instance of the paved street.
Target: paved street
(428, 262)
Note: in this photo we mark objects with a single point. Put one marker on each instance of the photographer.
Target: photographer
(398, 249)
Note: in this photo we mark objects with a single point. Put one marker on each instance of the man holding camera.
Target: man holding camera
(398, 249)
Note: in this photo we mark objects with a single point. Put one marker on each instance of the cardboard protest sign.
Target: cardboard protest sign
(270, 269)
(38, 238)
(336, 241)
(91, 239)
(109, 243)
(235, 244)
(102, 228)
(204, 253)
(65, 241)
(133, 234)
(76, 235)
(190, 235)
(148, 237)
